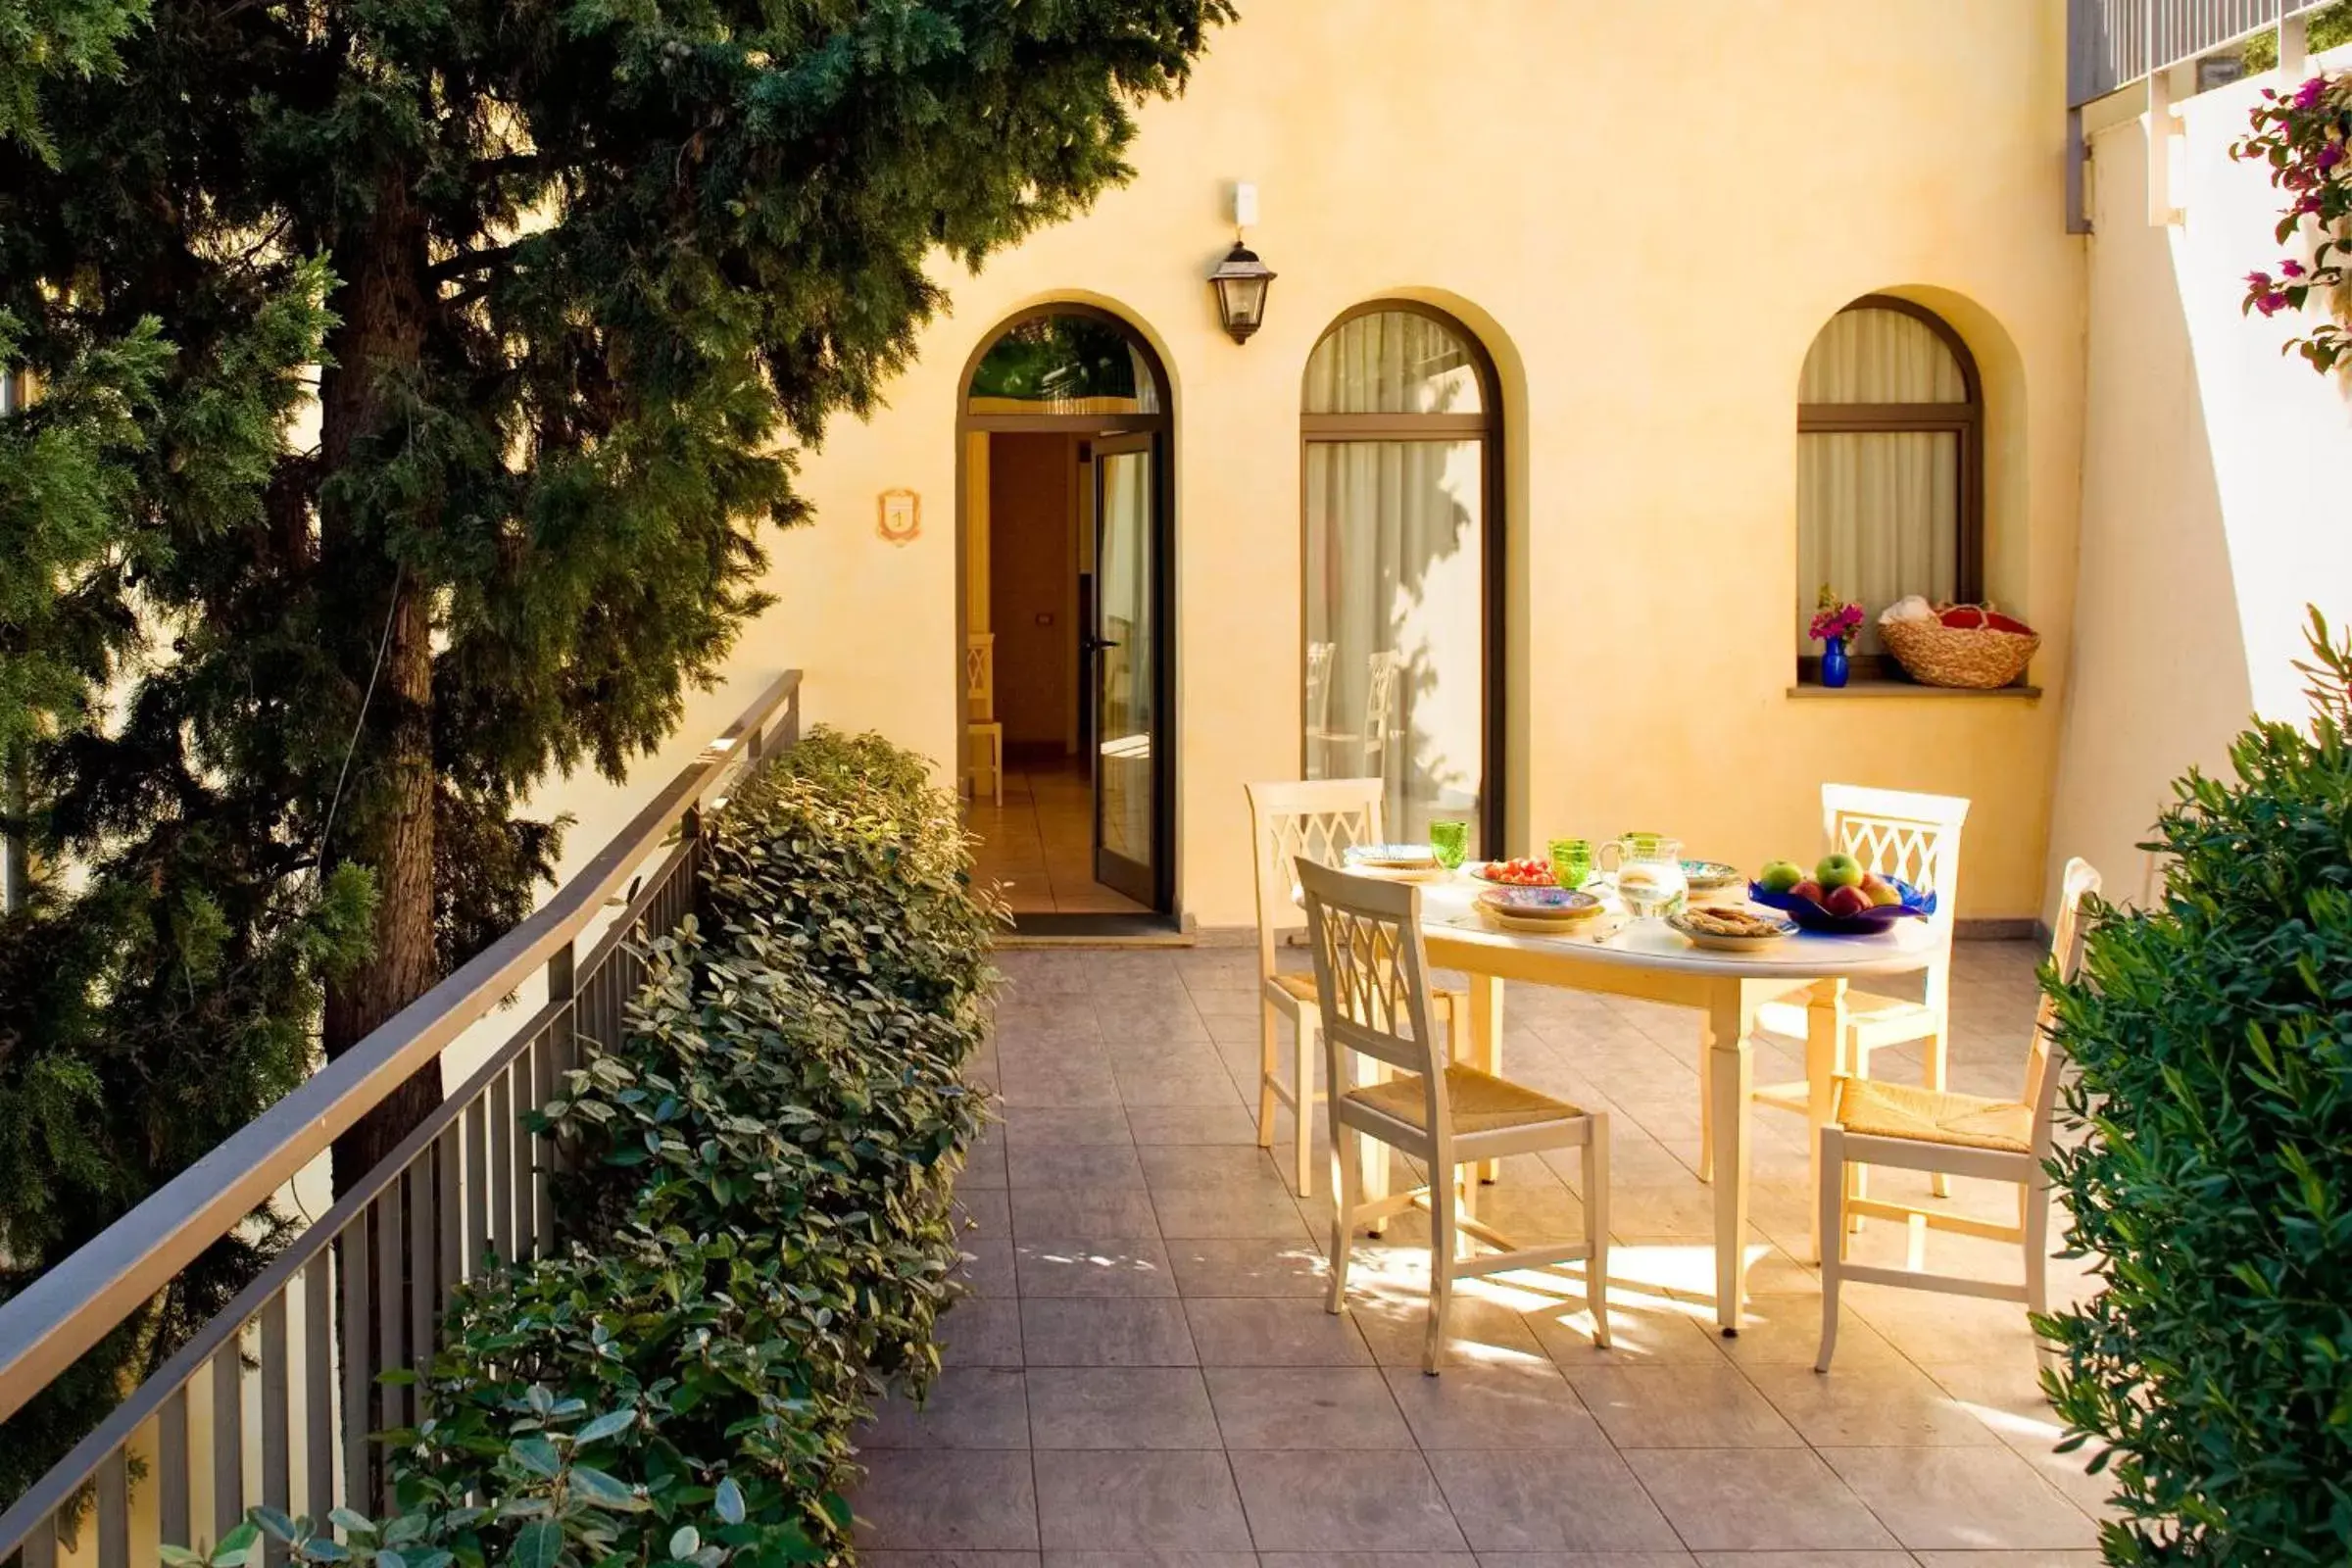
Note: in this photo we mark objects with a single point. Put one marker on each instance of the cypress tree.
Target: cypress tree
(595, 267)
(433, 369)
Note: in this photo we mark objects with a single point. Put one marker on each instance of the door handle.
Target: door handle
(1095, 645)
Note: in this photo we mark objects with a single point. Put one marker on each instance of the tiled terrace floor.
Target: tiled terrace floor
(1146, 1373)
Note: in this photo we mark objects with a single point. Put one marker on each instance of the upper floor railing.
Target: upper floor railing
(2113, 43)
(271, 1403)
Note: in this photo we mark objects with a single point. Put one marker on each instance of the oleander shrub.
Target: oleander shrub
(756, 1208)
(2212, 1041)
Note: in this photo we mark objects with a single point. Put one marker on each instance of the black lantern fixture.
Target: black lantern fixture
(1242, 283)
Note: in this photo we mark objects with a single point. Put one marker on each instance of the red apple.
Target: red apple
(1846, 901)
(1807, 890)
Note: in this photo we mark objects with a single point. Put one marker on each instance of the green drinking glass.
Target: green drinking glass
(1573, 862)
(1450, 842)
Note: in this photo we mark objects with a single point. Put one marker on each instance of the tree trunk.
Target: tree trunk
(384, 819)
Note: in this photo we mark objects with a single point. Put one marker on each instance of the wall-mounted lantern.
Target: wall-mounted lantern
(1241, 280)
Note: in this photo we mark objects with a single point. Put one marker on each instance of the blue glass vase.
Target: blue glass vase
(1832, 662)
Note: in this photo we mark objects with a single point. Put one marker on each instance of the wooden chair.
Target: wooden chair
(1372, 977)
(987, 735)
(1383, 670)
(1894, 833)
(1316, 820)
(1879, 1123)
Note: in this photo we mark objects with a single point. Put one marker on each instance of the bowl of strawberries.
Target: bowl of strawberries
(1520, 874)
(1972, 646)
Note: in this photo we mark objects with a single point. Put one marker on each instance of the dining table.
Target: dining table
(1646, 959)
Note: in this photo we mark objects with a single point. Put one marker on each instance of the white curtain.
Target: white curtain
(1123, 581)
(1395, 551)
(1391, 362)
(1878, 512)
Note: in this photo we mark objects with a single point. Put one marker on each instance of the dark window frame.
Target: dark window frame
(1965, 419)
(1485, 427)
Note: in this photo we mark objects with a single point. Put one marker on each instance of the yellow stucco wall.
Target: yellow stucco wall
(2206, 522)
(1646, 213)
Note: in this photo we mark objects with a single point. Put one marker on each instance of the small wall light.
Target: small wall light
(1241, 280)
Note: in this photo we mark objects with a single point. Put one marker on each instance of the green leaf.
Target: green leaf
(729, 1500)
(536, 1455)
(685, 1541)
(605, 1426)
(537, 1545)
(605, 1492)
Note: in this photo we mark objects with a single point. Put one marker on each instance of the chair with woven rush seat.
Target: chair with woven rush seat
(1894, 833)
(1940, 1132)
(1319, 820)
(1371, 976)
(985, 731)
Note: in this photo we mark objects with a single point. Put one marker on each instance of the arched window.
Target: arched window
(1403, 562)
(1890, 467)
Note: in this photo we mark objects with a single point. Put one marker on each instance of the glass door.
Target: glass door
(1124, 674)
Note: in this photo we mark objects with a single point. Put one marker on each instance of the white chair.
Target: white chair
(987, 735)
(1894, 833)
(1372, 976)
(1316, 820)
(1382, 672)
(1894, 1126)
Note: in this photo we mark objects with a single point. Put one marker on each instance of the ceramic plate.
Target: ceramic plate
(1391, 857)
(1540, 903)
(1707, 876)
(1722, 942)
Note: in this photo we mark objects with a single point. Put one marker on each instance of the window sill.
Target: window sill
(1912, 688)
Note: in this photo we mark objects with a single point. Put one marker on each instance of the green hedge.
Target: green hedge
(2212, 1043)
(756, 1209)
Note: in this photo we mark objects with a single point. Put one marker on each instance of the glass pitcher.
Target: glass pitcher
(1650, 873)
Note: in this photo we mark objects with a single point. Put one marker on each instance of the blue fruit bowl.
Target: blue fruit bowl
(1916, 905)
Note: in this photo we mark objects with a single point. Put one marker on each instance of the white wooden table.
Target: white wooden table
(1645, 958)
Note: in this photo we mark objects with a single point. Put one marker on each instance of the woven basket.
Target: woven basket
(1975, 657)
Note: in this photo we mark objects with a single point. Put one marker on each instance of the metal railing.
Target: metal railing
(2110, 45)
(360, 1291)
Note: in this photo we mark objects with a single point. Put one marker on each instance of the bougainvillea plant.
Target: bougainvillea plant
(2302, 135)
(1833, 617)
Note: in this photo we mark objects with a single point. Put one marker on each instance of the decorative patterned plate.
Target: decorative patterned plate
(1552, 905)
(1712, 876)
(1781, 929)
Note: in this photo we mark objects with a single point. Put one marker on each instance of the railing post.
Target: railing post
(563, 1029)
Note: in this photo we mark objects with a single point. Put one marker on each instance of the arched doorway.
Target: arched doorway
(1065, 537)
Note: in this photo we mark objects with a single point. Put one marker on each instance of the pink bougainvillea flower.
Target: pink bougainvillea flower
(2291, 268)
(2309, 93)
(2330, 155)
(2258, 281)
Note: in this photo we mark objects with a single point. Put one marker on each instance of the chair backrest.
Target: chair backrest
(1380, 707)
(1372, 978)
(1318, 687)
(1899, 833)
(980, 675)
(2080, 881)
(1314, 820)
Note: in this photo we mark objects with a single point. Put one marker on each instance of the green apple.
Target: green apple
(1778, 876)
(1838, 871)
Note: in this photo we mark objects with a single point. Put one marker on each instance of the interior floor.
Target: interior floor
(1039, 845)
